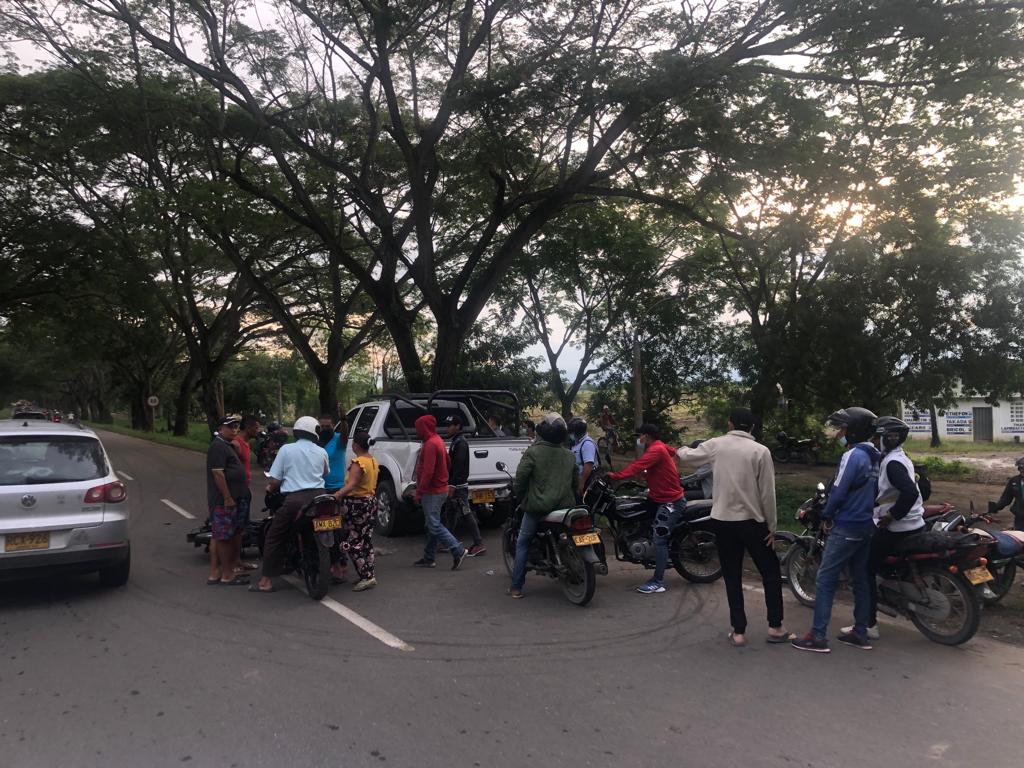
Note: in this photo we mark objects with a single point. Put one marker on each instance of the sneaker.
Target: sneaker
(854, 640)
(458, 559)
(476, 549)
(424, 563)
(811, 643)
(651, 588)
(513, 592)
(872, 633)
(364, 584)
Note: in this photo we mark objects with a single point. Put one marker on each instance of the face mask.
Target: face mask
(842, 441)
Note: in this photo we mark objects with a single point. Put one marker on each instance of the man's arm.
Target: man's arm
(850, 468)
(904, 483)
(1007, 498)
(523, 473)
(702, 454)
(222, 486)
(766, 486)
(638, 467)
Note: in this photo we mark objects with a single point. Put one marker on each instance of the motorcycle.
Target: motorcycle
(1005, 550)
(312, 534)
(692, 548)
(200, 536)
(794, 449)
(930, 581)
(564, 549)
(268, 443)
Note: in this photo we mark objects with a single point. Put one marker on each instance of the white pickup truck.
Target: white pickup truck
(390, 422)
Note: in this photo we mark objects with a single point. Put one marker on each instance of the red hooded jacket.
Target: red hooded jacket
(432, 464)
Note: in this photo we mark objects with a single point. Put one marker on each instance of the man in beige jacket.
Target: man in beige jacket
(743, 511)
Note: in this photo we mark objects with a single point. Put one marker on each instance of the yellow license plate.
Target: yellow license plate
(978, 575)
(483, 497)
(18, 542)
(583, 539)
(326, 524)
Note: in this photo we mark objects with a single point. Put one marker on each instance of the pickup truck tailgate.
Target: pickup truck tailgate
(485, 452)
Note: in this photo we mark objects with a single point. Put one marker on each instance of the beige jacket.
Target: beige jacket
(744, 479)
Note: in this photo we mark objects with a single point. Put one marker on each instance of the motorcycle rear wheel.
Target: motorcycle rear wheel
(965, 610)
(580, 580)
(802, 573)
(316, 568)
(811, 458)
(994, 591)
(695, 557)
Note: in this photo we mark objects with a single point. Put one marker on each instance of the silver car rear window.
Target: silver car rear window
(37, 460)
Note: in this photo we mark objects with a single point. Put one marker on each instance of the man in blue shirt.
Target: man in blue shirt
(333, 438)
(849, 514)
(585, 450)
(298, 471)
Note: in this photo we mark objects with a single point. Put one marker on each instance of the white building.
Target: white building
(970, 419)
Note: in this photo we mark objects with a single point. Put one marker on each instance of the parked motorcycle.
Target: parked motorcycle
(564, 549)
(692, 548)
(201, 535)
(312, 534)
(931, 581)
(803, 449)
(268, 443)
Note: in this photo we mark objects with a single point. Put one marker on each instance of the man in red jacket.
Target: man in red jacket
(658, 464)
(431, 493)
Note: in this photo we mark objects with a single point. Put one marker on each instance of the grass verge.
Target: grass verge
(198, 438)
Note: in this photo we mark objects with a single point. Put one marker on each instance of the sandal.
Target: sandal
(256, 588)
(235, 582)
(789, 637)
(243, 567)
(213, 582)
(736, 643)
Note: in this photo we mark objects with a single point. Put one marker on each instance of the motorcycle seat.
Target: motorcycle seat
(697, 508)
(557, 517)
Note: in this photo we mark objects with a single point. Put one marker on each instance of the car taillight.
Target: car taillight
(583, 523)
(109, 493)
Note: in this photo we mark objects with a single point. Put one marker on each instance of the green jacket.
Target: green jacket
(546, 479)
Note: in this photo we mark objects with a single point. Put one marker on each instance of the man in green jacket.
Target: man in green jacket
(545, 481)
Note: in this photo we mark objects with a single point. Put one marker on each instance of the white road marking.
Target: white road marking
(178, 509)
(351, 616)
(125, 475)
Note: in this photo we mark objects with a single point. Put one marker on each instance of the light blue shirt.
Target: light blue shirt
(586, 452)
(300, 466)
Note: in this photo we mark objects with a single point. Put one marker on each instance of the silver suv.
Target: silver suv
(62, 508)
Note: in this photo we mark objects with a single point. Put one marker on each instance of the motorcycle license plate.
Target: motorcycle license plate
(583, 539)
(326, 524)
(978, 575)
(486, 496)
(19, 542)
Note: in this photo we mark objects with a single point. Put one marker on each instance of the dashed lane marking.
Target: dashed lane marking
(354, 618)
(179, 510)
(125, 475)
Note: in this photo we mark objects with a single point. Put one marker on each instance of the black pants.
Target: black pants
(275, 546)
(883, 544)
(734, 538)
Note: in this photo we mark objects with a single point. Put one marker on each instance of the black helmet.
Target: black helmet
(1020, 462)
(893, 431)
(577, 427)
(552, 429)
(858, 422)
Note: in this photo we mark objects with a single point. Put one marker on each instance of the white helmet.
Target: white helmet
(306, 424)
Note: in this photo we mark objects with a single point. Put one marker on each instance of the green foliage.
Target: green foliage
(941, 468)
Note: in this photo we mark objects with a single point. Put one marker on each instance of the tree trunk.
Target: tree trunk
(183, 402)
(327, 382)
(450, 339)
(400, 330)
(934, 418)
(211, 403)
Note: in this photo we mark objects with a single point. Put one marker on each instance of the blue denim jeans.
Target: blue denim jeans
(527, 530)
(844, 547)
(666, 519)
(432, 504)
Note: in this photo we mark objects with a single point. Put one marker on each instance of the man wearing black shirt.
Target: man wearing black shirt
(227, 494)
(458, 481)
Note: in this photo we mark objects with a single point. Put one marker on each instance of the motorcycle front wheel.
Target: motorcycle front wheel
(579, 579)
(316, 567)
(780, 455)
(695, 557)
(962, 615)
(995, 590)
(802, 573)
(509, 534)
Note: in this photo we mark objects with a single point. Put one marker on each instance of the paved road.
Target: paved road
(168, 672)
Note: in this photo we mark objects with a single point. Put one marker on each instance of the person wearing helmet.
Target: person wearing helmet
(1013, 496)
(545, 481)
(849, 513)
(899, 508)
(298, 472)
(584, 449)
(658, 464)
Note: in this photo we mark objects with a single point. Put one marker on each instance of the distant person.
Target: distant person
(657, 464)
(227, 495)
(531, 430)
(359, 495)
(744, 514)
(495, 424)
(458, 483)
(545, 481)
(298, 472)
(607, 422)
(432, 492)
(333, 438)
(1013, 496)
(849, 514)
